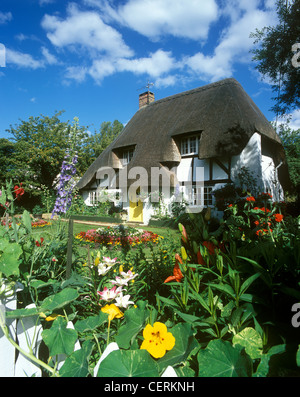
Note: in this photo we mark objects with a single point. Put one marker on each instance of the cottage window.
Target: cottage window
(200, 196)
(127, 156)
(189, 145)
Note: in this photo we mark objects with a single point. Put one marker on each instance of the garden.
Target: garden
(209, 298)
(214, 298)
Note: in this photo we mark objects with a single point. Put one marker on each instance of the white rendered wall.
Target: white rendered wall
(251, 158)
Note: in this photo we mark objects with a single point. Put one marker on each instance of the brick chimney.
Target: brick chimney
(146, 98)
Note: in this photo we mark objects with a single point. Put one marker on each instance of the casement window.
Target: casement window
(189, 145)
(200, 196)
(127, 156)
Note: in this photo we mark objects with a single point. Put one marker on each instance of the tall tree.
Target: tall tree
(6, 153)
(39, 149)
(96, 143)
(274, 56)
(291, 141)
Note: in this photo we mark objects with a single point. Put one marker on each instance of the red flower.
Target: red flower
(210, 247)
(251, 198)
(278, 217)
(19, 191)
(39, 244)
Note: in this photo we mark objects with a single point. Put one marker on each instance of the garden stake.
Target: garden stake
(69, 249)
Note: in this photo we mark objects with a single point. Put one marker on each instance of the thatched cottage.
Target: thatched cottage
(193, 142)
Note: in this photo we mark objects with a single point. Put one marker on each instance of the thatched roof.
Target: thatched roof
(213, 110)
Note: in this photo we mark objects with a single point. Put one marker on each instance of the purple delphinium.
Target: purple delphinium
(65, 185)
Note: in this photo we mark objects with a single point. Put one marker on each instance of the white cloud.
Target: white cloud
(102, 68)
(156, 18)
(5, 17)
(77, 73)
(155, 65)
(234, 45)
(22, 60)
(85, 30)
(45, 2)
(49, 58)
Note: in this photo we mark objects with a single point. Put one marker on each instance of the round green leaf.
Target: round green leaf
(250, 339)
(128, 363)
(59, 338)
(76, 365)
(221, 359)
(9, 258)
(61, 299)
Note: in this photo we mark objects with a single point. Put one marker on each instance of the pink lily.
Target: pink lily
(109, 294)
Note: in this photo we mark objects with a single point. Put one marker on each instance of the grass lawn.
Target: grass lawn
(83, 227)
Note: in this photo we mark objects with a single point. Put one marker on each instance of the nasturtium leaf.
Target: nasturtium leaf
(221, 359)
(91, 323)
(9, 258)
(185, 344)
(77, 365)
(250, 339)
(61, 299)
(59, 338)
(128, 363)
(135, 318)
(22, 313)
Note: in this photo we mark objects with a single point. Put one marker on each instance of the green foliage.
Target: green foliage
(291, 142)
(60, 339)
(221, 359)
(275, 54)
(131, 363)
(224, 293)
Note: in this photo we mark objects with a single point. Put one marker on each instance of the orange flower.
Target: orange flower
(177, 275)
(278, 217)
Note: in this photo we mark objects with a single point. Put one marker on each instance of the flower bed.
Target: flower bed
(36, 223)
(118, 236)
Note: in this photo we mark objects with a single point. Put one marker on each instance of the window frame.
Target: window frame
(205, 193)
(186, 144)
(127, 156)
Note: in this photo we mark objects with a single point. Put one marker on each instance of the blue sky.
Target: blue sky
(92, 58)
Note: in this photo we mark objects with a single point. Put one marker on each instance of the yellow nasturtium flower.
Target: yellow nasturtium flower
(113, 311)
(157, 339)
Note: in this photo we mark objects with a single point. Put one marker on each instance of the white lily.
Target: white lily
(123, 301)
(126, 277)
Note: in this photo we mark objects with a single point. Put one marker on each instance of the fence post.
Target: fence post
(69, 248)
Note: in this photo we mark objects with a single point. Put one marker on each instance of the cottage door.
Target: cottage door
(136, 211)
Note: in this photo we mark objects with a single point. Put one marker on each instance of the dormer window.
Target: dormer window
(127, 156)
(190, 145)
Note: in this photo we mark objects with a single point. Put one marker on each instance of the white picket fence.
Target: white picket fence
(27, 332)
